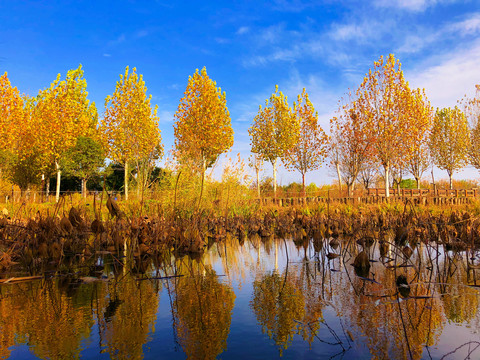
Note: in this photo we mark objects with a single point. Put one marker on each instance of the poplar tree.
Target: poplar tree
(202, 128)
(310, 151)
(275, 130)
(130, 125)
(62, 112)
(450, 140)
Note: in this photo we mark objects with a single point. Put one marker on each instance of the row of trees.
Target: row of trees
(386, 124)
(58, 130)
(383, 124)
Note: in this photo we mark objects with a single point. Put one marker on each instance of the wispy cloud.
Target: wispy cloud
(410, 5)
(242, 30)
(414, 43)
(219, 40)
(447, 78)
(107, 55)
(141, 33)
(468, 26)
(120, 39)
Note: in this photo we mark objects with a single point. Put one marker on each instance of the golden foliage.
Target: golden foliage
(12, 114)
(61, 113)
(203, 127)
(311, 148)
(129, 125)
(450, 140)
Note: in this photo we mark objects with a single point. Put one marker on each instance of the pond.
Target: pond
(259, 299)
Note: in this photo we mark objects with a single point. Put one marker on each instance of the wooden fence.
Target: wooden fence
(377, 196)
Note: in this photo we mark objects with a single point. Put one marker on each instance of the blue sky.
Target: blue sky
(247, 47)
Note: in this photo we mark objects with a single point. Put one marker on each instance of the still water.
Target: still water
(259, 300)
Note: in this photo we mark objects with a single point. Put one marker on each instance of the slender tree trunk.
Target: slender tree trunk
(303, 185)
(258, 182)
(387, 184)
(349, 189)
(47, 190)
(126, 181)
(84, 188)
(176, 187)
(42, 186)
(204, 169)
(59, 174)
(139, 181)
(337, 165)
(418, 183)
(450, 180)
(275, 178)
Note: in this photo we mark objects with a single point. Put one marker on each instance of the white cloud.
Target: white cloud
(469, 26)
(243, 30)
(165, 116)
(410, 5)
(447, 78)
(107, 55)
(272, 34)
(415, 43)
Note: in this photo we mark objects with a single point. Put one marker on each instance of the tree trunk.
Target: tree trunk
(387, 185)
(275, 178)
(84, 188)
(47, 190)
(126, 181)
(303, 185)
(139, 181)
(59, 174)
(418, 183)
(450, 179)
(337, 165)
(349, 189)
(42, 186)
(258, 182)
(204, 169)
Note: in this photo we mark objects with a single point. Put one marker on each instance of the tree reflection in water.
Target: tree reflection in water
(202, 309)
(398, 307)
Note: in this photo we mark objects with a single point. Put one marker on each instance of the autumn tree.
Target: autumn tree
(130, 125)
(472, 111)
(384, 98)
(310, 151)
(62, 112)
(274, 131)
(450, 140)
(421, 117)
(18, 155)
(351, 141)
(202, 128)
(11, 114)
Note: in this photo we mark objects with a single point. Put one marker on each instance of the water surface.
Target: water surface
(261, 299)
